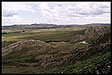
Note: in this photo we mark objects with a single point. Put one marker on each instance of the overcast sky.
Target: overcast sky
(55, 12)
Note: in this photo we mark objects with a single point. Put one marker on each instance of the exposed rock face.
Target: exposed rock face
(93, 31)
(34, 45)
(96, 30)
(55, 58)
(101, 44)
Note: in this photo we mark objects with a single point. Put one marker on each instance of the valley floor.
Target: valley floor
(60, 50)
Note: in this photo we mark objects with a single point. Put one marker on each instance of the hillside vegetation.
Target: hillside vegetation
(83, 51)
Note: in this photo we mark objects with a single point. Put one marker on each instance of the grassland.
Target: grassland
(41, 34)
(47, 35)
(86, 66)
(60, 40)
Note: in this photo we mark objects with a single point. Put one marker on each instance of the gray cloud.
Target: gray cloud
(61, 13)
(97, 11)
(9, 13)
(93, 13)
(89, 10)
(75, 15)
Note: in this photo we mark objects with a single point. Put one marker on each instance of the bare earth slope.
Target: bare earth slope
(39, 57)
(32, 46)
(92, 32)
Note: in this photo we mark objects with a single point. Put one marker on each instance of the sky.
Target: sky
(55, 12)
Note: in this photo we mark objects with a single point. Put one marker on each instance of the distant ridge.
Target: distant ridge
(98, 24)
(44, 25)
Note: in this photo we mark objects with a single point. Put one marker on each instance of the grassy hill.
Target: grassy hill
(50, 52)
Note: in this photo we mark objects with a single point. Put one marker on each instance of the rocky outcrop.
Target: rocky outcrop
(34, 45)
(46, 56)
(100, 45)
(92, 31)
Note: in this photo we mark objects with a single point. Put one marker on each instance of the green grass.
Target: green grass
(43, 36)
(56, 34)
(17, 59)
(46, 35)
(84, 67)
(88, 40)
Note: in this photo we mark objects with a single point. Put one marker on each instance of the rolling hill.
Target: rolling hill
(68, 57)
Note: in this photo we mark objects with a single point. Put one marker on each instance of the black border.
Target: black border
(44, 1)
